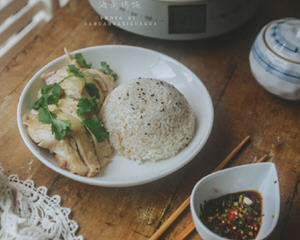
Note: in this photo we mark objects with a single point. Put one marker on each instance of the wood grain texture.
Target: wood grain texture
(242, 108)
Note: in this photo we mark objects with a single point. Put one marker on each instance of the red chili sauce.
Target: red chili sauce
(234, 216)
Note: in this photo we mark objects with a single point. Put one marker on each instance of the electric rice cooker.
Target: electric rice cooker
(176, 19)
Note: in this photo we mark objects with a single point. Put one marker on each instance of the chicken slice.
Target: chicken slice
(56, 76)
(103, 151)
(102, 94)
(45, 76)
(68, 106)
(66, 156)
(73, 87)
(85, 146)
(105, 83)
(93, 154)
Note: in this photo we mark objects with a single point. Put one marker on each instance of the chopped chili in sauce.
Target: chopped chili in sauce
(234, 216)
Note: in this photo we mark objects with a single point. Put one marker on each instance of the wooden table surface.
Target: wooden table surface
(242, 108)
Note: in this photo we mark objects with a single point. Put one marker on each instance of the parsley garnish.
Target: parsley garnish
(97, 128)
(86, 105)
(105, 68)
(81, 61)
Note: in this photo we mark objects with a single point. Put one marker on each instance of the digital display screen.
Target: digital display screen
(187, 19)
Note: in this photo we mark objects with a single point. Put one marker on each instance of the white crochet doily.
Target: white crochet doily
(28, 213)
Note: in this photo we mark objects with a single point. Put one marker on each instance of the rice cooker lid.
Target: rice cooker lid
(282, 37)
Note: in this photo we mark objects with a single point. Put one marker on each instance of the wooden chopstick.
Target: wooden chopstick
(186, 203)
(263, 158)
(191, 226)
(232, 154)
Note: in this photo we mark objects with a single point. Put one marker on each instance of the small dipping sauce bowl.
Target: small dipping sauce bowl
(275, 58)
(259, 177)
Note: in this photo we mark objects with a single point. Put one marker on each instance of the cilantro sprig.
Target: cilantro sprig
(50, 95)
(76, 72)
(97, 128)
(81, 61)
(60, 128)
(87, 106)
(73, 69)
(105, 68)
(89, 86)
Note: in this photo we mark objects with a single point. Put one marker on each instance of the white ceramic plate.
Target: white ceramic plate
(130, 63)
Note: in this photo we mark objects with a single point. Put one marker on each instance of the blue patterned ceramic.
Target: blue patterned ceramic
(275, 58)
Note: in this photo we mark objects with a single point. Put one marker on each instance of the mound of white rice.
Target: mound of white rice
(148, 120)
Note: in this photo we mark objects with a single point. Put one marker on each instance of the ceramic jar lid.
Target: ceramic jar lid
(275, 58)
(282, 37)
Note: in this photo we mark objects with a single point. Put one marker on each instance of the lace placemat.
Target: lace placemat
(28, 213)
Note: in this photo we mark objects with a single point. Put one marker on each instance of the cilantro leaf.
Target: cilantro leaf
(97, 128)
(89, 86)
(86, 105)
(50, 95)
(73, 69)
(61, 128)
(52, 99)
(54, 89)
(81, 61)
(45, 116)
(92, 89)
(41, 102)
(105, 68)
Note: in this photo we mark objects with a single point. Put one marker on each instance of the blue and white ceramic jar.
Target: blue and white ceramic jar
(275, 58)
